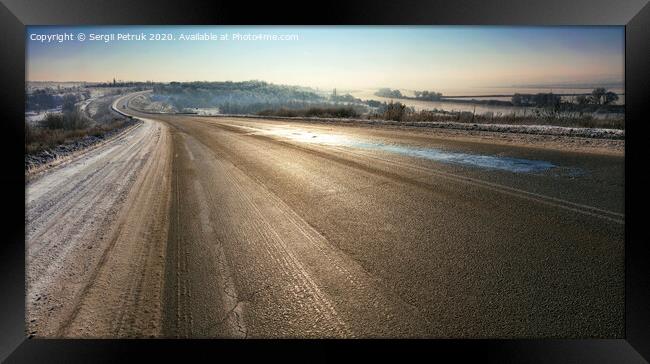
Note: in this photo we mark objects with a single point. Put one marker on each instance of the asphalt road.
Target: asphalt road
(295, 229)
(288, 229)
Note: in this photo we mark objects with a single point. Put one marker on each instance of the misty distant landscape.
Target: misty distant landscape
(61, 113)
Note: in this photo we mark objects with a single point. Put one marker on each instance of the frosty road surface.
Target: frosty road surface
(197, 226)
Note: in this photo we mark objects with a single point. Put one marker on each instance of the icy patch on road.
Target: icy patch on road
(517, 165)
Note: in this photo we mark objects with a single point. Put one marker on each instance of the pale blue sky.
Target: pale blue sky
(433, 57)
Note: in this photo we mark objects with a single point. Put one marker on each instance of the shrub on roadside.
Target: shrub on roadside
(322, 112)
(395, 111)
(72, 120)
(42, 138)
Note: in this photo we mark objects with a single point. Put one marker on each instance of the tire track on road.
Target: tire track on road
(292, 249)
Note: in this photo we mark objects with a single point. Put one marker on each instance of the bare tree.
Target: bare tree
(610, 97)
(598, 95)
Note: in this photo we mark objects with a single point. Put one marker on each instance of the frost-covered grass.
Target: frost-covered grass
(541, 117)
(61, 128)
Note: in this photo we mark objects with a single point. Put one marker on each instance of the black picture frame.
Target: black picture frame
(16, 14)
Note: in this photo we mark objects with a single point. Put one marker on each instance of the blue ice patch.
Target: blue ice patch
(518, 165)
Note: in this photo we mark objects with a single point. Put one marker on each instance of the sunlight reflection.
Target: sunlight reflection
(517, 165)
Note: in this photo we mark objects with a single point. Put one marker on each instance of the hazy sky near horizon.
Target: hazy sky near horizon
(433, 57)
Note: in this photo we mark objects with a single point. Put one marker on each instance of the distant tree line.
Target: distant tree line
(599, 96)
(43, 99)
(234, 97)
(428, 95)
(539, 100)
(347, 98)
(386, 92)
(130, 84)
(419, 95)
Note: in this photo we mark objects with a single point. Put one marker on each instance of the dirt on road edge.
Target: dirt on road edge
(95, 263)
(130, 280)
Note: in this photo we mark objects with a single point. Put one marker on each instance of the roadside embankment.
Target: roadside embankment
(49, 157)
(50, 145)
